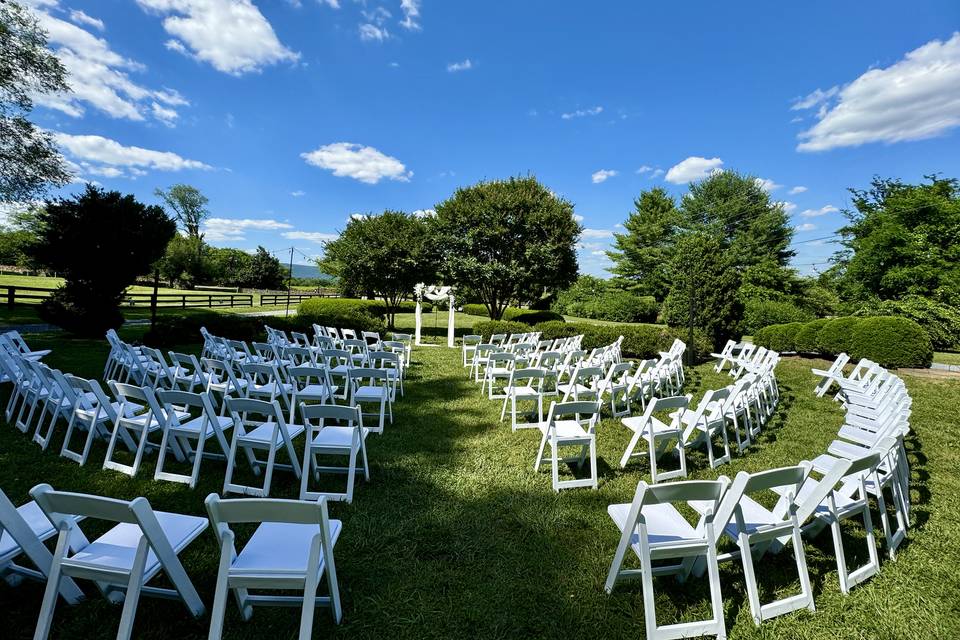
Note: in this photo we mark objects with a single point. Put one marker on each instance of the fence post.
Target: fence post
(11, 297)
(183, 300)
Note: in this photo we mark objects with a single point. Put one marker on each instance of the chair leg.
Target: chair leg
(50, 595)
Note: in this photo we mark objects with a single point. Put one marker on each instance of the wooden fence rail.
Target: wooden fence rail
(34, 295)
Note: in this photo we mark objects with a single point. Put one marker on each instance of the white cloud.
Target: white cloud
(98, 75)
(767, 184)
(918, 97)
(366, 164)
(806, 226)
(814, 99)
(164, 114)
(411, 14)
(822, 211)
(656, 173)
(312, 236)
(788, 207)
(224, 229)
(466, 65)
(370, 32)
(797, 189)
(333, 4)
(601, 176)
(597, 233)
(82, 18)
(231, 35)
(424, 213)
(693, 168)
(298, 193)
(644, 169)
(101, 156)
(577, 217)
(580, 113)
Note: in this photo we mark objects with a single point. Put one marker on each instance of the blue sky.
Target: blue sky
(292, 115)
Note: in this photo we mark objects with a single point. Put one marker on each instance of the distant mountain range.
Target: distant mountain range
(305, 271)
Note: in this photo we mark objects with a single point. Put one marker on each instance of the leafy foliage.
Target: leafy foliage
(891, 342)
(834, 338)
(598, 299)
(940, 321)
(704, 288)
(189, 208)
(902, 239)
(386, 254)
(265, 271)
(806, 340)
(779, 337)
(758, 313)
(29, 159)
(100, 241)
(642, 252)
(506, 240)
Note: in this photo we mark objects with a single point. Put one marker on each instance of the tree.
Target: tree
(183, 263)
(387, 254)
(100, 241)
(229, 267)
(901, 239)
(704, 291)
(13, 246)
(642, 252)
(29, 159)
(264, 271)
(189, 208)
(507, 240)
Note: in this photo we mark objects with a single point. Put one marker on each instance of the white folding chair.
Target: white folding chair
(525, 385)
(332, 440)
(95, 414)
(269, 432)
(200, 425)
(659, 435)
(23, 530)
(124, 559)
(570, 424)
(187, 371)
(309, 384)
(706, 422)
(757, 530)
(654, 529)
(291, 549)
(469, 345)
(136, 428)
(371, 386)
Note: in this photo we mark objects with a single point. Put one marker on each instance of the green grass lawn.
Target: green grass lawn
(457, 537)
(944, 357)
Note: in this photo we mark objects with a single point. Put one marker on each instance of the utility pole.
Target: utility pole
(286, 312)
(690, 343)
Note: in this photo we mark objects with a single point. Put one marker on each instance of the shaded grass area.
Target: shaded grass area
(457, 536)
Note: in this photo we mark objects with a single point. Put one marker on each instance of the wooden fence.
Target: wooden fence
(18, 295)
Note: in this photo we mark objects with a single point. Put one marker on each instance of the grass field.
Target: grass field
(456, 536)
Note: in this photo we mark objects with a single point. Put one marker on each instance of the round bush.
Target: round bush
(531, 317)
(778, 337)
(473, 309)
(940, 321)
(891, 342)
(806, 339)
(834, 337)
(622, 306)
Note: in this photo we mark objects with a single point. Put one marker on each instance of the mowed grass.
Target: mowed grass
(457, 537)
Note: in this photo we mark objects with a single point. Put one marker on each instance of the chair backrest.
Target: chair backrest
(253, 510)
(586, 413)
(498, 339)
(336, 357)
(299, 356)
(358, 374)
(319, 413)
(269, 409)
(750, 483)
(385, 360)
(172, 399)
(348, 334)
(472, 339)
(129, 394)
(302, 376)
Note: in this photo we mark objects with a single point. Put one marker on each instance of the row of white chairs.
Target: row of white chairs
(867, 462)
(291, 549)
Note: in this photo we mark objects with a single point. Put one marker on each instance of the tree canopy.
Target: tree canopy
(902, 239)
(189, 207)
(642, 252)
(29, 159)
(506, 240)
(99, 241)
(385, 255)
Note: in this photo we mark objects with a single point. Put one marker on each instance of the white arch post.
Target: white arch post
(434, 293)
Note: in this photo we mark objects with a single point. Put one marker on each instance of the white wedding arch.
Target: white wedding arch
(434, 293)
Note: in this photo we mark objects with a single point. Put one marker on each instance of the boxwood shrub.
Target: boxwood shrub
(487, 328)
(763, 313)
(515, 314)
(940, 321)
(891, 342)
(834, 338)
(806, 339)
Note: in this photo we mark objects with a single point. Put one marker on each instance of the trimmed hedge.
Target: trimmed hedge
(342, 306)
(514, 314)
(834, 337)
(639, 340)
(346, 313)
(488, 328)
(890, 341)
(806, 339)
(171, 331)
(779, 337)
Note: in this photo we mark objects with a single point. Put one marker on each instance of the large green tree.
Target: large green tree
(386, 254)
(29, 159)
(507, 240)
(264, 271)
(189, 208)
(901, 239)
(642, 251)
(99, 241)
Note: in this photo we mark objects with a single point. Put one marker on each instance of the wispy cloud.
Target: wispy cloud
(581, 113)
(351, 160)
(822, 211)
(693, 168)
(464, 65)
(797, 189)
(602, 175)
